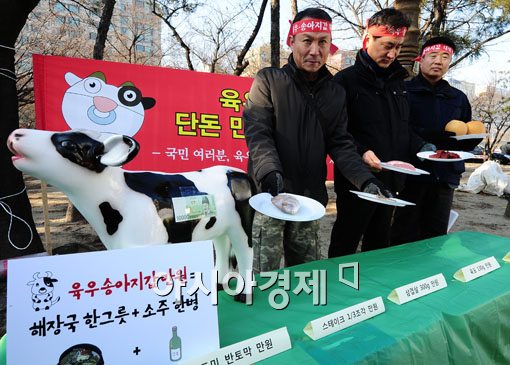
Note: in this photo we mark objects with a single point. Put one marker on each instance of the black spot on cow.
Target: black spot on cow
(210, 223)
(242, 188)
(85, 151)
(161, 188)
(80, 149)
(111, 217)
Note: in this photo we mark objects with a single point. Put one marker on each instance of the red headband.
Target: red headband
(383, 31)
(311, 25)
(435, 48)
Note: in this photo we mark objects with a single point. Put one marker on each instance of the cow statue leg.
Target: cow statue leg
(221, 250)
(244, 256)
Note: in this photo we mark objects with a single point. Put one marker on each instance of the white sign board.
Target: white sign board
(334, 322)
(417, 289)
(107, 299)
(479, 268)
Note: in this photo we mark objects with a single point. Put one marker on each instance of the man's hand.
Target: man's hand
(272, 183)
(372, 160)
(376, 187)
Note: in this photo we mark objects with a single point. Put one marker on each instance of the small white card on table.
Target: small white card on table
(412, 291)
(249, 351)
(477, 269)
(344, 318)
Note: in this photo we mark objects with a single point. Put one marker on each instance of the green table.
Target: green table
(465, 323)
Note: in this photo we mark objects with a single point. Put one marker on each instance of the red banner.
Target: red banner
(183, 120)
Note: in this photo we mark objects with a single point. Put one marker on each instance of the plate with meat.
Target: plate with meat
(288, 207)
(445, 156)
(382, 199)
(403, 167)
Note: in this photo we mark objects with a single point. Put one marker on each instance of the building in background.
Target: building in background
(341, 59)
(67, 28)
(467, 88)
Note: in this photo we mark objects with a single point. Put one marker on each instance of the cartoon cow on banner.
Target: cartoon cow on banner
(42, 291)
(137, 208)
(92, 104)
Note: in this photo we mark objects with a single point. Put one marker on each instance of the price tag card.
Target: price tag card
(507, 257)
(477, 269)
(344, 318)
(418, 289)
(249, 351)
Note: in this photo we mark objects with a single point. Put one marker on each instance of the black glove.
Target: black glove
(428, 147)
(468, 145)
(272, 183)
(375, 186)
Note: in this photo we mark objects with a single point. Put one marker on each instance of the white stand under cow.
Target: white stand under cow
(128, 208)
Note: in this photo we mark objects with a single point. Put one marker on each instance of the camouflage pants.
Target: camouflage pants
(297, 241)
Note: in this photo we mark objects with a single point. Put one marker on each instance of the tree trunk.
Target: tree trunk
(14, 232)
(438, 23)
(102, 29)
(294, 8)
(241, 63)
(409, 51)
(275, 33)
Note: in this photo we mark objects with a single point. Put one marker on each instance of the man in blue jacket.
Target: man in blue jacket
(433, 103)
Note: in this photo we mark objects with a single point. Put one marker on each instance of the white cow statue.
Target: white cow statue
(130, 208)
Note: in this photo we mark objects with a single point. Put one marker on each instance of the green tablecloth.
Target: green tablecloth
(465, 323)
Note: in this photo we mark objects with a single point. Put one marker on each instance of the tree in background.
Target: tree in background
(275, 33)
(410, 48)
(210, 35)
(493, 108)
(18, 235)
(102, 29)
(294, 8)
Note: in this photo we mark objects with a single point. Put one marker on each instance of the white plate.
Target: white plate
(416, 171)
(463, 156)
(377, 199)
(309, 209)
(470, 136)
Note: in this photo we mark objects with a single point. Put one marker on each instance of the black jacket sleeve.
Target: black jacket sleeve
(258, 119)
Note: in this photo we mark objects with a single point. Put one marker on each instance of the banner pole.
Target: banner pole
(47, 238)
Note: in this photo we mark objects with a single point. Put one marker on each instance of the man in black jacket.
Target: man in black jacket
(433, 103)
(293, 118)
(378, 120)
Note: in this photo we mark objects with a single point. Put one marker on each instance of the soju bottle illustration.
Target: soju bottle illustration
(175, 345)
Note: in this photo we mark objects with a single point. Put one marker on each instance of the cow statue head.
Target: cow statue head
(68, 153)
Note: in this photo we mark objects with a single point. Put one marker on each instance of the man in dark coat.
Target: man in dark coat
(433, 103)
(378, 121)
(293, 118)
